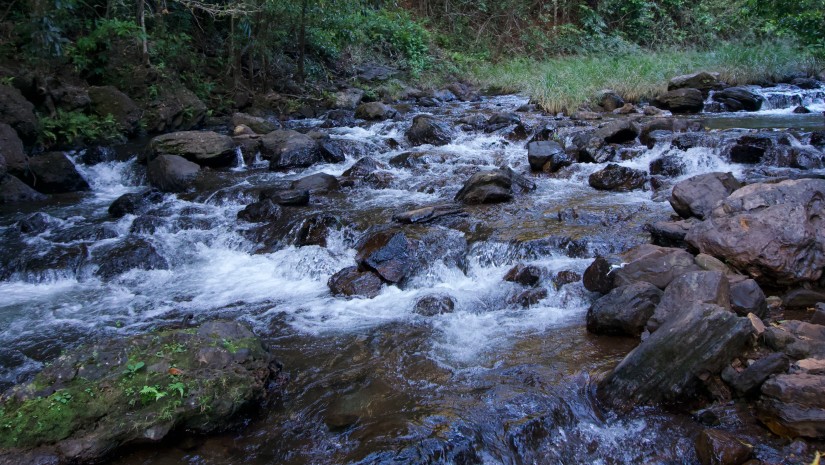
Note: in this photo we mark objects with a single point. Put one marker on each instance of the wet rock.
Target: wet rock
(609, 100)
(668, 165)
(716, 447)
(526, 275)
(771, 231)
(98, 154)
(261, 211)
(624, 310)
(205, 148)
(176, 109)
(287, 197)
(318, 183)
(681, 101)
(418, 159)
(135, 203)
(653, 264)
(565, 277)
(597, 276)
(256, 124)
(13, 158)
(287, 149)
(709, 287)
(699, 195)
(797, 339)
(13, 190)
(338, 150)
(387, 252)
(348, 98)
(108, 100)
(751, 378)
(315, 230)
(548, 156)
(747, 297)
(363, 167)
(223, 368)
(702, 80)
(758, 147)
(147, 224)
(487, 187)
(426, 129)
(53, 173)
(18, 113)
(530, 297)
(739, 98)
(132, 253)
(792, 405)
(665, 367)
(373, 111)
(617, 178)
(172, 173)
(801, 110)
(670, 233)
(351, 282)
(805, 83)
(502, 120)
(37, 223)
(432, 305)
(427, 214)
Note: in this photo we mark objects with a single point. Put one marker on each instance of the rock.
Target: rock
(351, 282)
(772, 231)
(261, 211)
(670, 233)
(739, 98)
(668, 165)
(108, 100)
(432, 305)
(617, 178)
(314, 230)
(426, 129)
(747, 297)
(175, 109)
(132, 253)
(597, 276)
(751, 378)
(624, 310)
(530, 297)
(797, 339)
(702, 80)
(18, 113)
(375, 111)
(287, 197)
(135, 203)
(609, 100)
(547, 156)
(338, 150)
(617, 132)
(681, 101)
(792, 405)
(501, 120)
(697, 196)
(810, 366)
(716, 447)
(363, 167)
(653, 264)
(223, 368)
(14, 159)
(287, 149)
(53, 173)
(13, 190)
(805, 83)
(427, 214)
(565, 277)
(318, 183)
(709, 287)
(486, 187)
(708, 263)
(205, 148)
(348, 98)
(582, 115)
(761, 147)
(665, 367)
(37, 223)
(256, 124)
(526, 275)
(818, 318)
(801, 110)
(388, 252)
(172, 173)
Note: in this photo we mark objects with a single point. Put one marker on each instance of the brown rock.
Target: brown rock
(715, 447)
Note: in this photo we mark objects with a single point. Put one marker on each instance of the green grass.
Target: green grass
(565, 84)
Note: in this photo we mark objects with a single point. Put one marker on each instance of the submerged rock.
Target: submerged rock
(526, 275)
(387, 252)
(617, 178)
(435, 304)
(134, 203)
(133, 253)
(426, 129)
(352, 282)
(124, 391)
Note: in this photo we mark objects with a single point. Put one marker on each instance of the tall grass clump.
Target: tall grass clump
(565, 84)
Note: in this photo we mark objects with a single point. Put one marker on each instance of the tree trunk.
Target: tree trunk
(141, 20)
(302, 37)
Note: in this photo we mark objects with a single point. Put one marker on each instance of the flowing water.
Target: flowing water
(369, 380)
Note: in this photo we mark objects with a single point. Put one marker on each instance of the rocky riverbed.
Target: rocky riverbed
(448, 279)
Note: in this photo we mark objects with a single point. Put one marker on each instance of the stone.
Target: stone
(697, 196)
(792, 405)
(338, 150)
(256, 124)
(426, 129)
(681, 101)
(797, 339)
(708, 263)
(427, 214)
(172, 173)
(109, 100)
(597, 276)
(352, 282)
(668, 165)
(373, 111)
(656, 265)
(751, 378)
(669, 233)
(665, 367)
(547, 156)
(810, 366)
(348, 98)
(617, 178)
(609, 100)
(13, 190)
(205, 148)
(818, 318)
(286, 197)
(702, 81)
(486, 187)
(12, 154)
(710, 287)
(801, 110)
(526, 275)
(261, 211)
(53, 173)
(18, 113)
(363, 167)
(805, 83)
(318, 183)
(739, 98)
(175, 109)
(501, 120)
(563, 278)
(624, 310)
(747, 297)
(132, 253)
(761, 147)
(435, 304)
(135, 203)
(288, 149)
(388, 252)
(716, 447)
(530, 297)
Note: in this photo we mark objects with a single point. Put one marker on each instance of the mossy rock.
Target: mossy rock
(100, 397)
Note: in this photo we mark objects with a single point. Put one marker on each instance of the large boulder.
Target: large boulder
(318, 183)
(123, 391)
(375, 111)
(751, 378)
(702, 81)
(14, 156)
(665, 367)
(747, 297)
(617, 178)
(774, 148)
(774, 232)
(351, 282)
(172, 173)
(388, 252)
(710, 287)
(597, 277)
(338, 150)
(609, 100)
(739, 98)
(134, 203)
(792, 405)
(287, 149)
(426, 129)
(175, 109)
(681, 101)
(257, 124)
(132, 253)
(624, 310)
(717, 447)
(653, 264)
(53, 173)
(493, 187)
(18, 113)
(699, 195)
(548, 156)
(13, 190)
(108, 100)
(206, 148)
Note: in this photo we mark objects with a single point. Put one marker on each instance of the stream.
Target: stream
(369, 381)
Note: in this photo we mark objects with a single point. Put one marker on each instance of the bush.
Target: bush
(72, 128)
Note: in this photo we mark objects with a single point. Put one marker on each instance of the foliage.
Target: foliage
(76, 127)
(90, 52)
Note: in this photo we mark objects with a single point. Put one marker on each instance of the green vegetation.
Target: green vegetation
(77, 127)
